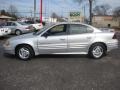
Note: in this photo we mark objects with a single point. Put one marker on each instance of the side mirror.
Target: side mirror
(46, 34)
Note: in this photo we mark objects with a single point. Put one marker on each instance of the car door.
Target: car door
(53, 40)
(79, 38)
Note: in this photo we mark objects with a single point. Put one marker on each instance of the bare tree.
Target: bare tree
(54, 15)
(60, 19)
(102, 9)
(12, 10)
(116, 14)
(2, 12)
(90, 7)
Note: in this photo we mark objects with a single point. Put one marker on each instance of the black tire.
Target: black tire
(28, 48)
(16, 32)
(102, 48)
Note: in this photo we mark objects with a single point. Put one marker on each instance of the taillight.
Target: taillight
(115, 36)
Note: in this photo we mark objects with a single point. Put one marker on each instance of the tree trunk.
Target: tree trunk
(90, 11)
(119, 23)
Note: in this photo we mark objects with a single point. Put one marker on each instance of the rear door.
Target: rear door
(54, 40)
(80, 36)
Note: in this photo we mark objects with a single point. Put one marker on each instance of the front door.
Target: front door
(54, 40)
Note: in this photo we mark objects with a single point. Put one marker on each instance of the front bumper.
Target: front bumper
(8, 50)
(27, 31)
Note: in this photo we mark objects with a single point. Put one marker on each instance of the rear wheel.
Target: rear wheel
(24, 52)
(97, 51)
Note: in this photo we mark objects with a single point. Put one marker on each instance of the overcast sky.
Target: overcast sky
(61, 7)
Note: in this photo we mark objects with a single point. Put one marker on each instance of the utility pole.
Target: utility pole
(45, 13)
(84, 13)
(40, 11)
(34, 10)
(90, 10)
(31, 12)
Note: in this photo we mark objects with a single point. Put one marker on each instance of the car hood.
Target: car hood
(25, 36)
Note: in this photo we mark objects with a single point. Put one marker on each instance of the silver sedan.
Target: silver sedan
(18, 28)
(63, 38)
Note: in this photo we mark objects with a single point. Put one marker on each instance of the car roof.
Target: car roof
(11, 21)
(71, 23)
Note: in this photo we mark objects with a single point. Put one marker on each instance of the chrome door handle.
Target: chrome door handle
(89, 37)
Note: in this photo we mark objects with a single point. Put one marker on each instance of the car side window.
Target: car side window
(13, 24)
(9, 23)
(57, 30)
(79, 29)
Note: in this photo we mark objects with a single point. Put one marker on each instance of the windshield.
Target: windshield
(41, 30)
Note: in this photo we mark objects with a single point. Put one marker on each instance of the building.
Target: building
(105, 21)
(4, 18)
(49, 19)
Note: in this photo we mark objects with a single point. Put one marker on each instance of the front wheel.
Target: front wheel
(97, 51)
(24, 52)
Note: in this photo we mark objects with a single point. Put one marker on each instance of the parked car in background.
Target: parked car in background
(63, 38)
(107, 29)
(37, 26)
(4, 31)
(18, 28)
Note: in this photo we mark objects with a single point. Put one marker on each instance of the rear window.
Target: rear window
(80, 29)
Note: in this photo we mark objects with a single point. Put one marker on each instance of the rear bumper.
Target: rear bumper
(112, 45)
(27, 31)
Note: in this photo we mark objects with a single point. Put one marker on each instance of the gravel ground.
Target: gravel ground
(60, 72)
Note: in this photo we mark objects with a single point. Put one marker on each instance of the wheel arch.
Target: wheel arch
(24, 44)
(97, 43)
(17, 30)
